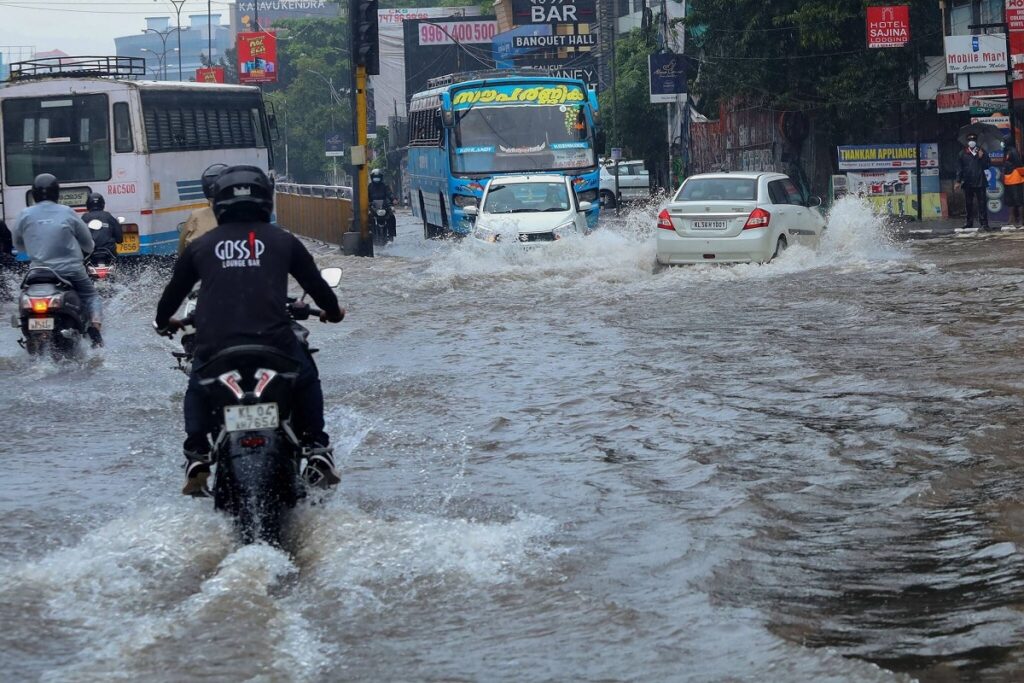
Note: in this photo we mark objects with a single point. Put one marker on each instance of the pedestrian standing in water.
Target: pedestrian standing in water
(970, 175)
(1013, 178)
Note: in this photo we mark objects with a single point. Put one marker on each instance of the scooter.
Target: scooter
(258, 459)
(100, 266)
(50, 315)
(382, 222)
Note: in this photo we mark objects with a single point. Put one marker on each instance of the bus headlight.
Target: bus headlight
(587, 196)
(463, 200)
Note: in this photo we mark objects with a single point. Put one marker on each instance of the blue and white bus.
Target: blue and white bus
(464, 132)
(141, 144)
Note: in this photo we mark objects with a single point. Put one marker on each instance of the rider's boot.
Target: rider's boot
(318, 468)
(94, 336)
(197, 468)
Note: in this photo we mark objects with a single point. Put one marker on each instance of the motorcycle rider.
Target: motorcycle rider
(55, 237)
(201, 221)
(110, 234)
(244, 264)
(380, 191)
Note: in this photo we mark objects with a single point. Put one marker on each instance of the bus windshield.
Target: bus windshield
(65, 135)
(522, 138)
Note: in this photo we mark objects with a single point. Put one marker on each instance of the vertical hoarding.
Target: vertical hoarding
(888, 26)
(257, 57)
(667, 77)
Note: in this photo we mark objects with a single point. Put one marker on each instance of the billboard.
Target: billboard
(272, 11)
(666, 77)
(888, 26)
(257, 57)
(526, 12)
(210, 74)
(976, 53)
(452, 32)
(565, 49)
(439, 58)
(878, 157)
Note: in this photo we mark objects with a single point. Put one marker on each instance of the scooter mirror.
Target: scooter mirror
(332, 276)
(95, 224)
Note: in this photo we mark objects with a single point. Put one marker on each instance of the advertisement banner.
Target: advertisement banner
(334, 145)
(877, 157)
(273, 11)
(554, 95)
(667, 77)
(210, 74)
(1015, 15)
(453, 33)
(525, 12)
(257, 57)
(976, 53)
(894, 192)
(950, 101)
(888, 26)
(423, 62)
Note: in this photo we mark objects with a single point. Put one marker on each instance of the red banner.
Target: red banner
(1015, 15)
(257, 57)
(888, 26)
(210, 74)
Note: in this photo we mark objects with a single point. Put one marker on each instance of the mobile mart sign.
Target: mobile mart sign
(889, 26)
(976, 53)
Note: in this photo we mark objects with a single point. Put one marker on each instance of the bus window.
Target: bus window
(122, 129)
(179, 121)
(66, 135)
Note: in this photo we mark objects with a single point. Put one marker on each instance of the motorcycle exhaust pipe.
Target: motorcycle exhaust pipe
(68, 334)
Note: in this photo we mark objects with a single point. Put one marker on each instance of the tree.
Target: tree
(632, 123)
(806, 55)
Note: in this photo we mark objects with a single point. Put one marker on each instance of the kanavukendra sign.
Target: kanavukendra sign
(867, 157)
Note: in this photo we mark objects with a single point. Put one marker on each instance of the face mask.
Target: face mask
(972, 144)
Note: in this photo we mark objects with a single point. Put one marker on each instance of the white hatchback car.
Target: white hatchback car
(736, 218)
(528, 209)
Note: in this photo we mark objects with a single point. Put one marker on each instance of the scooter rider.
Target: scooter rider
(201, 221)
(109, 234)
(55, 237)
(379, 191)
(244, 265)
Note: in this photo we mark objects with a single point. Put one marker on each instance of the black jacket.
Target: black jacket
(382, 192)
(107, 237)
(970, 168)
(244, 268)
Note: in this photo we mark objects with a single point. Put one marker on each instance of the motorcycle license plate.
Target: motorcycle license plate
(38, 324)
(245, 418)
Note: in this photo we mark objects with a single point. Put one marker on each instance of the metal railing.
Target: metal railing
(320, 212)
(78, 67)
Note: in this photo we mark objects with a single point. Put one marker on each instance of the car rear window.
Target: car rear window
(712, 189)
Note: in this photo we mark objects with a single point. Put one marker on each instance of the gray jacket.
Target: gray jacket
(53, 236)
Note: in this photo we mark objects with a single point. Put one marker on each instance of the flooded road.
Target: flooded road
(558, 465)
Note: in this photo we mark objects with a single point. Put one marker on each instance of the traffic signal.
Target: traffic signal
(365, 41)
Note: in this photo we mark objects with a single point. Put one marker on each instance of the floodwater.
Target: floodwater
(558, 465)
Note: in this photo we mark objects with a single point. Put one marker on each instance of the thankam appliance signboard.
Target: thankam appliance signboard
(888, 26)
(976, 53)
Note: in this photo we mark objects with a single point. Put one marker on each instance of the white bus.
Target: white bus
(143, 145)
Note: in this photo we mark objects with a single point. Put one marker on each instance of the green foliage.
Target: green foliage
(807, 55)
(311, 97)
(636, 124)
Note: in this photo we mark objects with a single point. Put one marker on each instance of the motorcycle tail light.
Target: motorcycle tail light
(253, 441)
(42, 304)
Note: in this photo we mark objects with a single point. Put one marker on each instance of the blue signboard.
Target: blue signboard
(505, 50)
(334, 145)
(667, 77)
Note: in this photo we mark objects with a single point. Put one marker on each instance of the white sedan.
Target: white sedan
(736, 218)
(528, 209)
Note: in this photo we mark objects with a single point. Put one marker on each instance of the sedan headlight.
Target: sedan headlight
(564, 230)
(486, 235)
(587, 196)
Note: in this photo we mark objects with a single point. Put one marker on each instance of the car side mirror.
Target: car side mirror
(813, 201)
(332, 276)
(585, 206)
(471, 211)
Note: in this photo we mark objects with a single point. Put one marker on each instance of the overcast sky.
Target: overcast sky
(87, 27)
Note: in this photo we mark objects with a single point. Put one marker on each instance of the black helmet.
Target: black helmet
(209, 176)
(45, 188)
(95, 202)
(243, 193)
(376, 174)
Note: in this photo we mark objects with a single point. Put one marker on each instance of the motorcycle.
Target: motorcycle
(50, 315)
(382, 222)
(258, 459)
(100, 266)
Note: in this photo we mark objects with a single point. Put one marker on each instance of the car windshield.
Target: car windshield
(718, 189)
(526, 198)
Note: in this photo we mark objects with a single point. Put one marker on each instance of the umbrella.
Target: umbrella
(989, 136)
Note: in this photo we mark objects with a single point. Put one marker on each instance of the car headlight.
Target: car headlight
(564, 230)
(587, 196)
(486, 235)
(462, 200)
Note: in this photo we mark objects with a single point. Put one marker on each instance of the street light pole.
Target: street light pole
(177, 11)
(163, 44)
